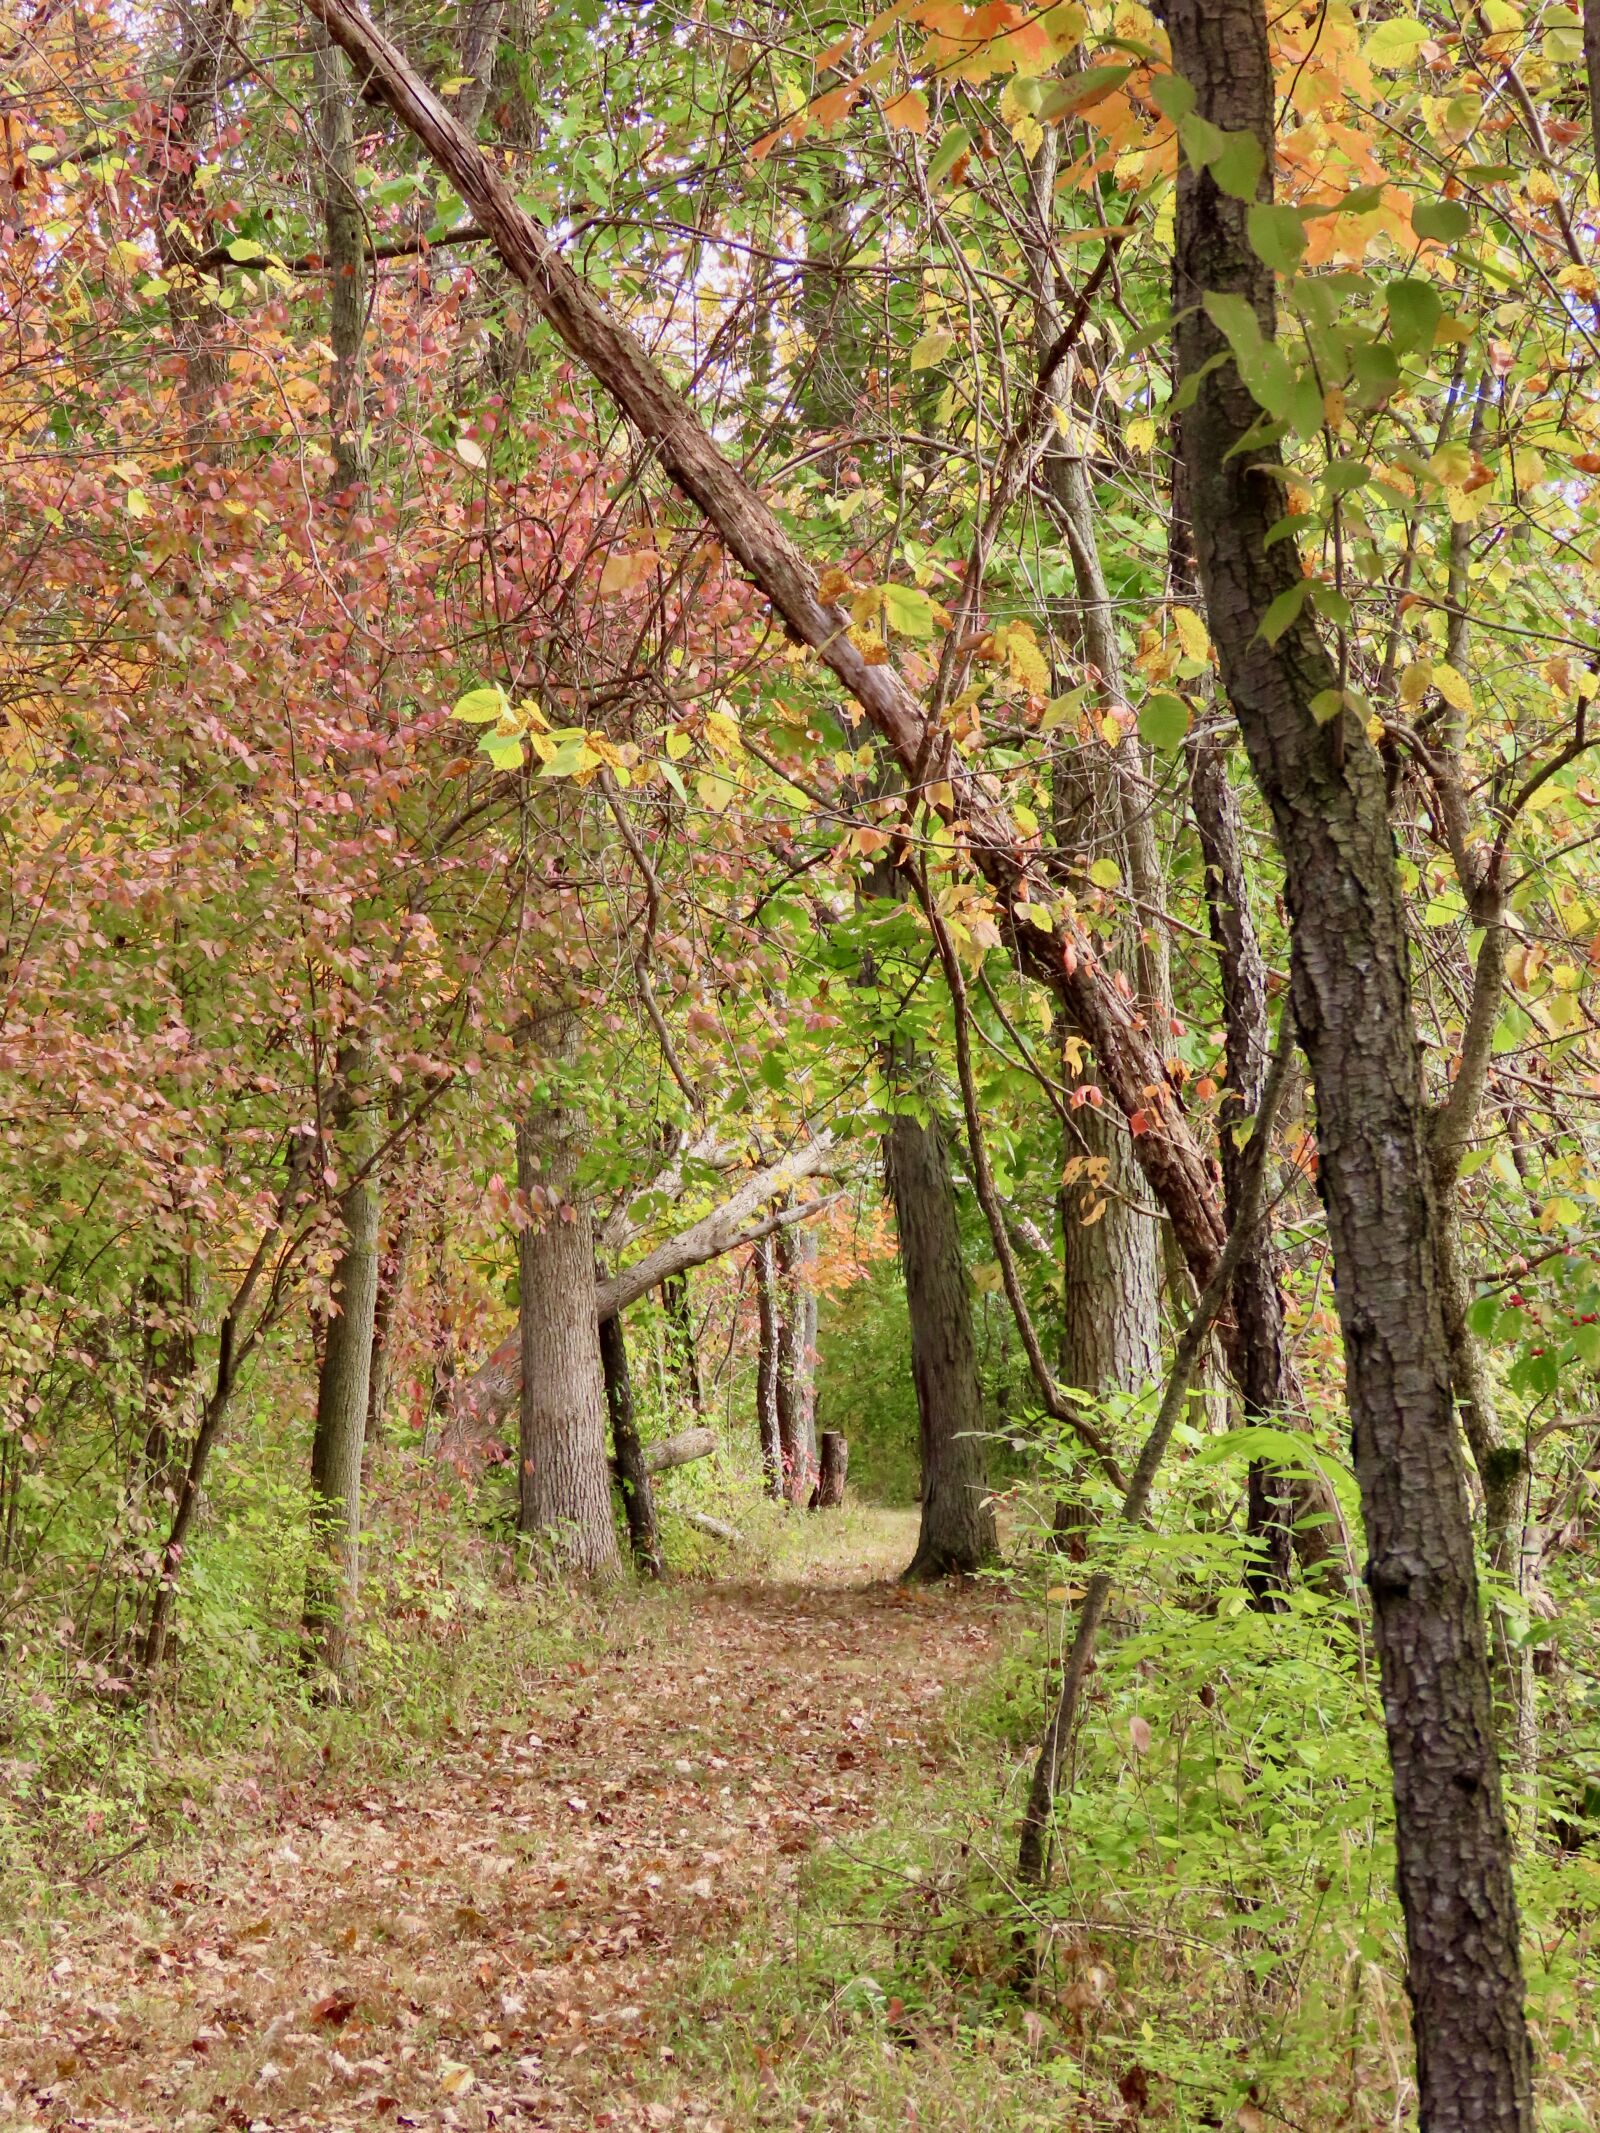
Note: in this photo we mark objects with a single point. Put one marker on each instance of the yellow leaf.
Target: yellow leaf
(1416, 681)
(723, 733)
(138, 504)
(1105, 874)
(678, 744)
(624, 570)
(1451, 464)
(1140, 434)
(1453, 687)
(471, 452)
(715, 793)
(1191, 633)
(933, 347)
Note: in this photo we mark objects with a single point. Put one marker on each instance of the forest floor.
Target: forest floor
(580, 1912)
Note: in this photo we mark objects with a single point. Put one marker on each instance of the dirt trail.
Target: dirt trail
(498, 1938)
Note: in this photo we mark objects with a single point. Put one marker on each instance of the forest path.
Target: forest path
(503, 1936)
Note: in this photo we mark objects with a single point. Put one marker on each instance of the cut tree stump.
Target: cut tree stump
(828, 1495)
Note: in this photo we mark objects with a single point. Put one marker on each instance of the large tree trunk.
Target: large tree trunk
(957, 1533)
(633, 1474)
(1325, 786)
(333, 1568)
(563, 1477)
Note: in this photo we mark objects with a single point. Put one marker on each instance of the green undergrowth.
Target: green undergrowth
(1219, 1944)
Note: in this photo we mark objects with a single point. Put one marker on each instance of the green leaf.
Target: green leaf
(1202, 142)
(1277, 235)
(1105, 874)
(1346, 475)
(1164, 721)
(1238, 169)
(244, 249)
(670, 772)
(908, 611)
(1481, 1317)
(1290, 528)
(1443, 220)
(1326, 705)
(567, 761)
(1414, 312)
(1329, 601)
(504, 750)
(1173, 96)
(1284, 610)
(948, 154)
(1235, 319)
(1375, 372)
(481, 707)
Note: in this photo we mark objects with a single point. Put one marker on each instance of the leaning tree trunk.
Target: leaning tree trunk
(957, 1533)
(333, 1568)
(633, 1474)
(564, 1479)
(1325, 786)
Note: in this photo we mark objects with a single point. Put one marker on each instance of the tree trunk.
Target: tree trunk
(832, 1467)
(957, 1533)
(796, 1384)
(1110, 1249)
(344, 227)
(685, 1353)
(1268, 1386)
(333, 1569)
(564, 1480)
(633, 1475)
(766, 1266)
(394, 1267)
(1324, 784)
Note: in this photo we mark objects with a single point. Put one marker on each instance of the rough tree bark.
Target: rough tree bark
(833, 1464)
(1325, 786)
(957, 1531)
(563, 1477)
(628, 1459)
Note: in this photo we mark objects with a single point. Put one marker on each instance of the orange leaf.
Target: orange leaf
(909, 112)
